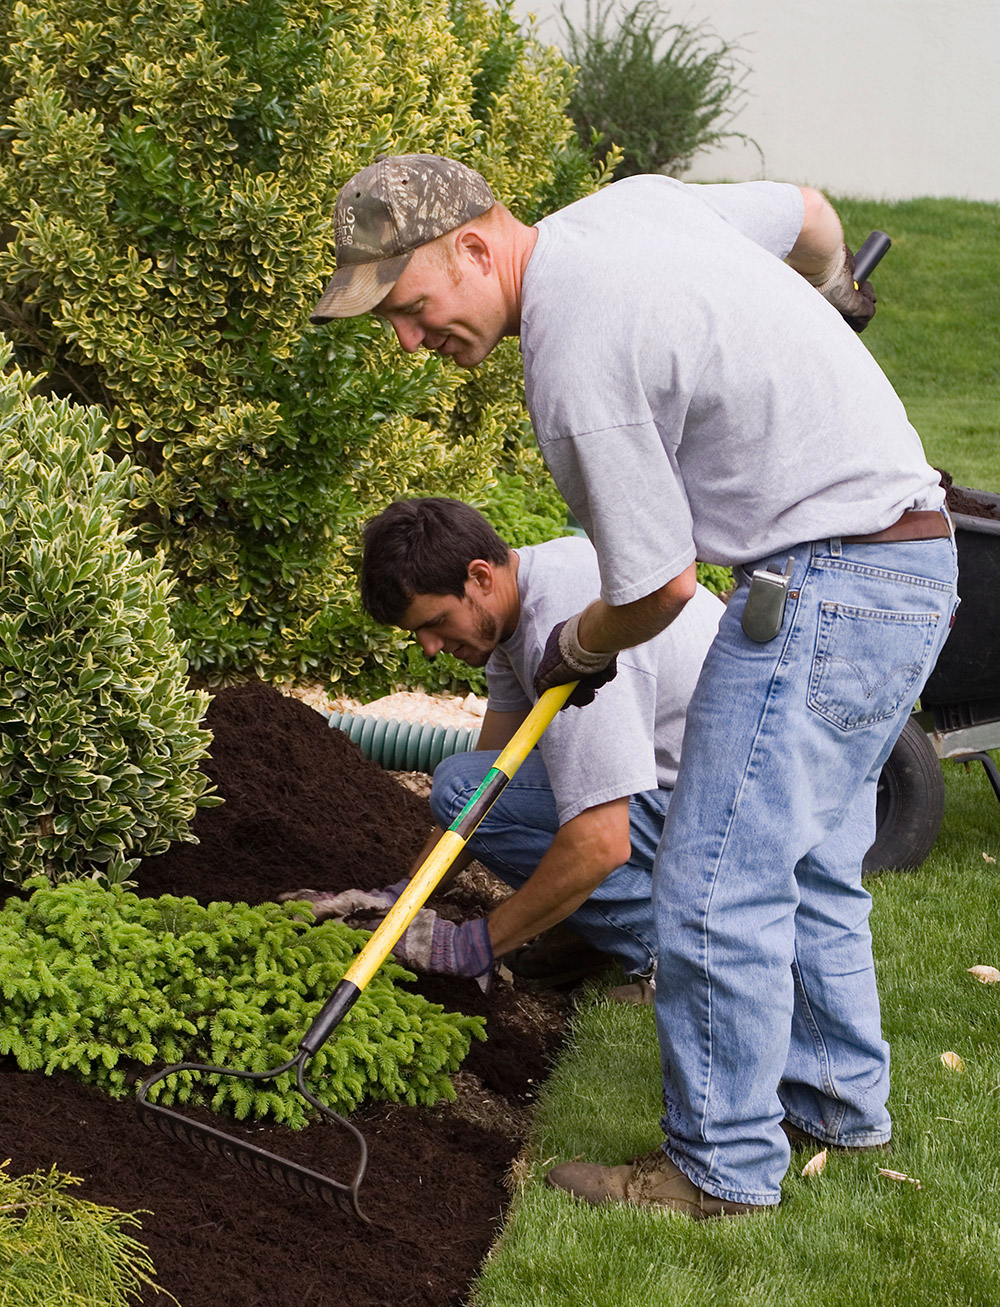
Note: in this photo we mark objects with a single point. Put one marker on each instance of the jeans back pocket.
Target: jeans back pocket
(867, 662)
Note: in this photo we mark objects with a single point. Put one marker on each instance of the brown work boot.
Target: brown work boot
(799, 1138)
(649, 1181)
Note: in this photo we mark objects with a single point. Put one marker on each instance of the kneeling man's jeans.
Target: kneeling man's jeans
(766, 1004)
(515, 834)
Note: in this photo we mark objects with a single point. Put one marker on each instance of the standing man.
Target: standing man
(697, 391)
(575, 832)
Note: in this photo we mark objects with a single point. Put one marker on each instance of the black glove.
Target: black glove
(564, 660)
(854, 303)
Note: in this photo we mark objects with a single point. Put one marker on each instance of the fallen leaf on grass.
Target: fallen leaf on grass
(898, 1175)
(815, 1164)
(985, 975)
(952, 1061)
(987, 858)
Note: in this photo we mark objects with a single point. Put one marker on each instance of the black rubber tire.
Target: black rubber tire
(910, 804)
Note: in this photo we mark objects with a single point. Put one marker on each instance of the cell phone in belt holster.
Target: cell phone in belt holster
(764, 610)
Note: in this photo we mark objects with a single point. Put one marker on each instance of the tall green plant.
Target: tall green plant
(659, 90)
(99, 733)
(168, 170)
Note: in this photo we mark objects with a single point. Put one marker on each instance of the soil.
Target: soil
(304, 808)
(960, 500)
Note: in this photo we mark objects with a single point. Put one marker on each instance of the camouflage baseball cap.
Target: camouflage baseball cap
(384, 213)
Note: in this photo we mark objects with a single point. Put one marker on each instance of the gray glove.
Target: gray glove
(854, 303)
(327, 906)
(564, 659)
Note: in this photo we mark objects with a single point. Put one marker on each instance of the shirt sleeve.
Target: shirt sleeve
(627, 495)
(768, 213)
(503, 690)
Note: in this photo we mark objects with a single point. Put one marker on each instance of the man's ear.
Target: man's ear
(473, 246)
(481, 577)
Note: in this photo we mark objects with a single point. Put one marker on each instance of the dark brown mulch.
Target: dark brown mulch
(303, 808)
(959, 500)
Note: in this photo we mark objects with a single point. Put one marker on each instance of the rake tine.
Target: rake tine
(249, 1157)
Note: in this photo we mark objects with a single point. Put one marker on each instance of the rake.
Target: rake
(258, 1161)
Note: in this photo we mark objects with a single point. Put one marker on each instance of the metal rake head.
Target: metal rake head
(259, 1162)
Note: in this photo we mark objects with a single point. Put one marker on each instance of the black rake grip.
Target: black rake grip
(870, 255)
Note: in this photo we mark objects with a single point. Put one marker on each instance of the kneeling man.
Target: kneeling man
(574, 833)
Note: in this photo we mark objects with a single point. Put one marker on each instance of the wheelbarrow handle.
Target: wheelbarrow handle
(433, 868)
(870, 255)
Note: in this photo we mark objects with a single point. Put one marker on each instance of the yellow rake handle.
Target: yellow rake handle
(434, 866)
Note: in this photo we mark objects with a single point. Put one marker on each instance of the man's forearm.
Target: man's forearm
(821, 239)
(604, 628)
(582, 854)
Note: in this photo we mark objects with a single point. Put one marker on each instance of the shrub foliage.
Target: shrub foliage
(94, 979)
(99, 732)
(660, 91)
(57, 1248)
(168, 171)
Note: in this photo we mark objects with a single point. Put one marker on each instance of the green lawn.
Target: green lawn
(937, 329)
(848, 1235)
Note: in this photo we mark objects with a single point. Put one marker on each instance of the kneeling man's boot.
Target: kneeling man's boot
(649, 1181)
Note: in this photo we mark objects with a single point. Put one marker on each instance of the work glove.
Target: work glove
(564, 659)
(327, 906)
(855, 304)
(431, 943)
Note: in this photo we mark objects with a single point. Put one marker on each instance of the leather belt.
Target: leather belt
(913, 525)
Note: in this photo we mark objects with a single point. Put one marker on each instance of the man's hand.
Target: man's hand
(856, 304)
(429, 943)
(327, 906)
(564, 659)
(443, 948)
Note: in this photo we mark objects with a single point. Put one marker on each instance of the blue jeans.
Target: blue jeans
(515, 834)
(766, 1004)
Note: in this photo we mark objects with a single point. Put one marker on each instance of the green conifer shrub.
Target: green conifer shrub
(98, 981)
(168, 170)
(57, 1250)
(99, 732)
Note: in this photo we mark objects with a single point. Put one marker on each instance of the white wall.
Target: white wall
(877, 98)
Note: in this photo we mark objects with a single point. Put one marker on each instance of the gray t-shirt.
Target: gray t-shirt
(694, 396)
(629, 739)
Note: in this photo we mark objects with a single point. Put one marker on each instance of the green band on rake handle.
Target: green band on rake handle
(494, 784)
(259, 1162)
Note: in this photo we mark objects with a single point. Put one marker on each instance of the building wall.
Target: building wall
(877, 98)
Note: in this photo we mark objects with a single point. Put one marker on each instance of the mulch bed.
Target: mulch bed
(304, 808)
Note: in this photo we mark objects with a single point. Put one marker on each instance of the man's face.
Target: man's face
(463, 627)
(445, 302)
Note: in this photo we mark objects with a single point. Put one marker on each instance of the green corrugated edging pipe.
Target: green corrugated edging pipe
(402, 745)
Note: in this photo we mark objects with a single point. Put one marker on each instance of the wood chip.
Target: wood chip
(898, 1175)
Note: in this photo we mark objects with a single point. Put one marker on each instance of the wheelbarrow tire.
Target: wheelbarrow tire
(910, 804)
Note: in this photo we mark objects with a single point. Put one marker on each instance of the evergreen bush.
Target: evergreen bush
(99, 732)
(168, 170)
(56, 1250)
(98, 981)
(660, 91)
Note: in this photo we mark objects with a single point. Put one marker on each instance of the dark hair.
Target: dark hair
(422, 546)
